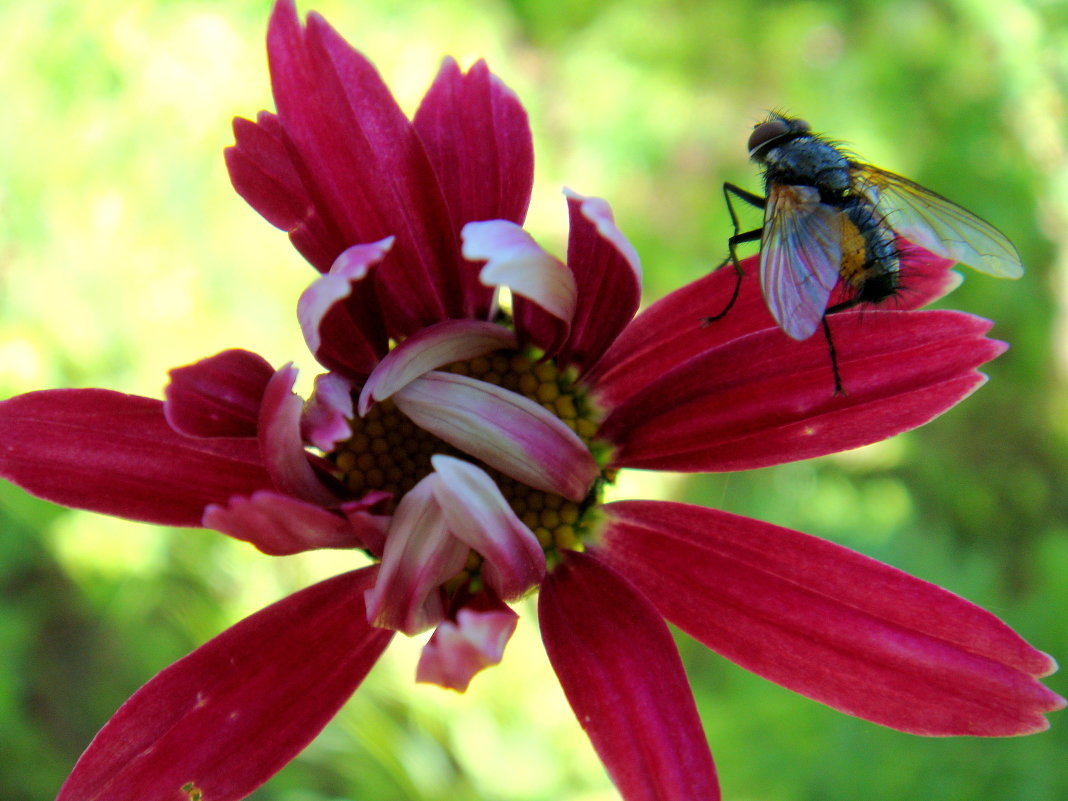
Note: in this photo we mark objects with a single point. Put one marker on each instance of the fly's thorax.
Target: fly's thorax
(389, 452)
(807, 160)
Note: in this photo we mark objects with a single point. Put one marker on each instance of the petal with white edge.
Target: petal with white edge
(513, 259)
(281, 443)
(458, 650)
(478, 515)
(433, 347)
(419, 556)
(327, 416)
(503, 429)
(350, 267)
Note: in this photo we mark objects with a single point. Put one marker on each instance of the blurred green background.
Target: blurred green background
(124, 252)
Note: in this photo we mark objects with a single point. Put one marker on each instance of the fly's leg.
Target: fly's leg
(738, 238)
(845, 304)
(834, 358)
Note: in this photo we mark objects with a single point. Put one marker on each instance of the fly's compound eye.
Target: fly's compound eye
(766, 131)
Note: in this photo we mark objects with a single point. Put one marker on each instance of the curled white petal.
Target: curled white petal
(513, 259)
(430, 348)
(477, 514)
(503, 429)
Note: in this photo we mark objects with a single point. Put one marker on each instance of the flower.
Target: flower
(465, 449)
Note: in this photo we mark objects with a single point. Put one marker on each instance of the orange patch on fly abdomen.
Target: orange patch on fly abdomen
(854, 253)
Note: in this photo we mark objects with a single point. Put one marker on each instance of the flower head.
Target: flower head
(465, 447)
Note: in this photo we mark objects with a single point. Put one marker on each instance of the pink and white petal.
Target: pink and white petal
(115, 454)
(829, 623)
(458, 650)
(477, 136)
(327, 416)
(608, 276)
(280, 525)
(281, 444)
(218, 396)
(503, 429)
(420, 554)
(513, 259)
(338, 312)
(623, 677)
(478, 515)
(764, 400)
(272, 681)
(433, 347)
(365, 166)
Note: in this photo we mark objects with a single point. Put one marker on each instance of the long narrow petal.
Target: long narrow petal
(622, 675)
(544, 294)
(366, 166)
(477, 136)
(830, 623)
(224, 719)
(478, 515)
(420, 554)
(763, 400)
(503, 429)
(281, 443)
(608, 275)
(280, 525)
(458, 650)
(433, 347)
(113, 453)
(339, 313)
(672, 330)
(219, 396)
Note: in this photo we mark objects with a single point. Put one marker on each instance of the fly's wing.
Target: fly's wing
(937, 224)
(800, 257)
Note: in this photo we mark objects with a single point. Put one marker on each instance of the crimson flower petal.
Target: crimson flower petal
(113, 453)
(365, 166)
(622, 675)
(671, 331)
(830, 623)
(763, 400)
(279, 525)
(224, 719)
(608, 273)
(263, 172)
(477, 136)
(219, 396)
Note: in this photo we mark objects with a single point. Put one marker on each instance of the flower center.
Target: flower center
(387, 451)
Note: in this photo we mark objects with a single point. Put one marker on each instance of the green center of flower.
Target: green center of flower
(387, 451)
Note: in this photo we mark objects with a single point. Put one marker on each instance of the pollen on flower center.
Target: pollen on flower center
(389, 452)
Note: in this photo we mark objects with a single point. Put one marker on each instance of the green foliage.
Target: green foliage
(125, 252)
